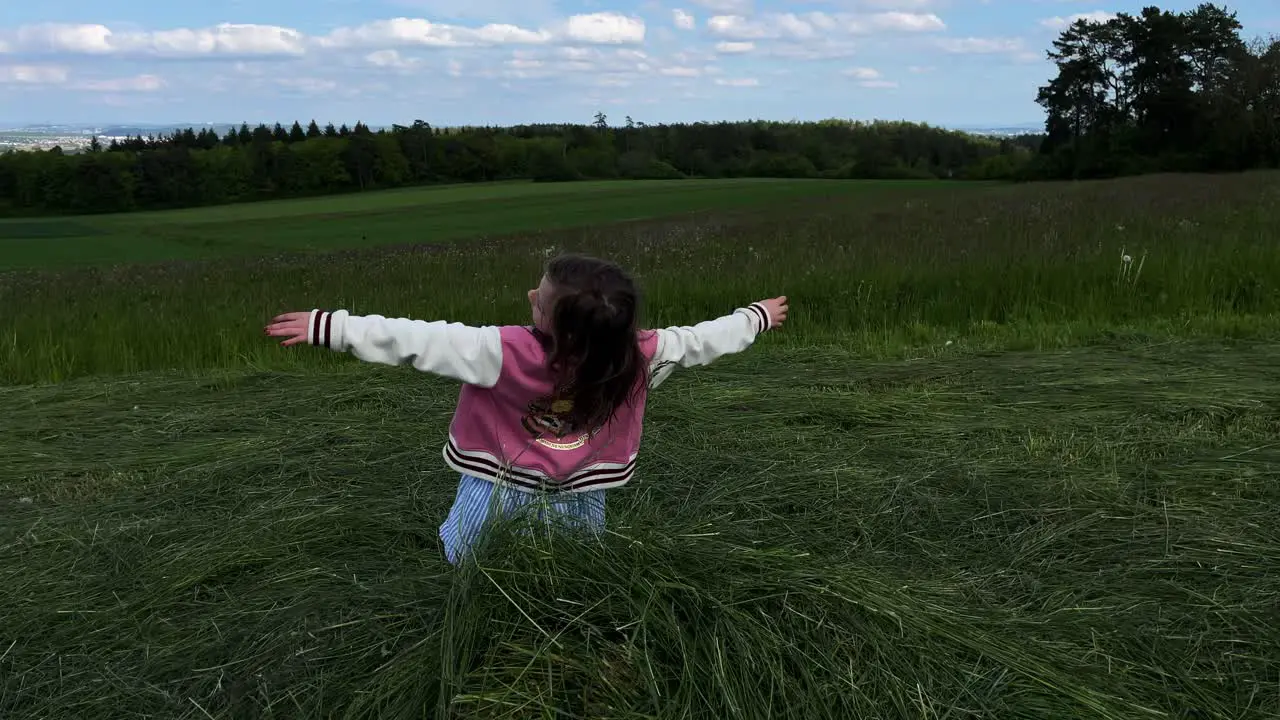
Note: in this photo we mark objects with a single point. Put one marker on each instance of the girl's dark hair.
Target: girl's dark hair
(594, 352)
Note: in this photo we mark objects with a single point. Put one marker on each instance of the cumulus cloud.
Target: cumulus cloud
(392, 60)
(247, 40)
(1061, 23)
(307, 85)
(409, 32)
(861, 73)
(568, 63)
(900, 4)
(1015, 48)
(139, 83)
(226, 39)
(726, 7)
(730, 47)
(604, 28)
(805, 26)
(904, 22)
(522, 12)
(981, 46)
(33, 74)
(737, 82)
(868, 77)
(683, 20)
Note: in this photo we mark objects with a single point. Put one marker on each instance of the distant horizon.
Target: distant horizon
(24, 125)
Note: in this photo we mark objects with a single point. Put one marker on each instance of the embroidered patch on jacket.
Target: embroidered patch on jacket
(549, 416)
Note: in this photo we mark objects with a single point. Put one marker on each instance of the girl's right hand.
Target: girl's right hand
(291, 326)
(777, 308)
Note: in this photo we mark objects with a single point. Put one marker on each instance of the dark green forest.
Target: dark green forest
(1160, 92)
(1152, 92)
(200, 168)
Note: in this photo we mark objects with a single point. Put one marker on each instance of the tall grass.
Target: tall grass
(1031, 266)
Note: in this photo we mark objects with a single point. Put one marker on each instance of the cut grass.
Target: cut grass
(1073, 534)
(984, 472)
(397, 217)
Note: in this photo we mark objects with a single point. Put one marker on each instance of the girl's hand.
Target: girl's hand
(777, 308)
(292, 326)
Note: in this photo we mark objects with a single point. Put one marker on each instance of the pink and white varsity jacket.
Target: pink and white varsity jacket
(507, 427)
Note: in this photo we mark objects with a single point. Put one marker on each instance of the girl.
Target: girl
(549, 412)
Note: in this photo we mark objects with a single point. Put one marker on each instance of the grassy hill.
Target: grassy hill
(990, 469)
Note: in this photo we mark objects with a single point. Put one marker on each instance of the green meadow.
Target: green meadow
(413, 216)
(1014, 456)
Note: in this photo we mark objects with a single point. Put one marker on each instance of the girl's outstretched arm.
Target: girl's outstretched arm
(708, 341)
(470, 354)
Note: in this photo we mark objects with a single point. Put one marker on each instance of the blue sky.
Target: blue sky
(948, 62)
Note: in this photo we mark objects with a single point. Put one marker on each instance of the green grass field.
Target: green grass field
(435, 215)
(989, 469)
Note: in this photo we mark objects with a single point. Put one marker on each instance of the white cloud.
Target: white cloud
(242, 40)
(679, 71)
(1016, 48)
(900, 4)
(307, 85)
(981, 46)
(805, 26)
(409, 32)
(737, 82)
(604, 28)
(391, 59)
(683, 20)
(727, 7)
(571, 63)
(734, 48)
(868, 77)
(522, 12)
(1061, 23)
(32, 74)
(140, 83)
(861, 73)
(225, 39)
(736, 26)
(905, 22)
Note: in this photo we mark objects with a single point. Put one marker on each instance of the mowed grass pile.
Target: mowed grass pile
(1069, 511)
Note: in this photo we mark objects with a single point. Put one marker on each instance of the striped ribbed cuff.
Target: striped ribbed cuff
(320, 328)
(761, 317)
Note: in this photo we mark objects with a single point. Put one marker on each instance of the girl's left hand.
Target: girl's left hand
(292, 326)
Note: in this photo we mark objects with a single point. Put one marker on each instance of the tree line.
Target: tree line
(1160, 92)
(189, 168)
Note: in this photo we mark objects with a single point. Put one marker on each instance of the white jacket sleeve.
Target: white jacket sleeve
(470, 354)
(707, 341)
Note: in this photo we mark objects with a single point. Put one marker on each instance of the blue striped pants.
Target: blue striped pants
(479, 500)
